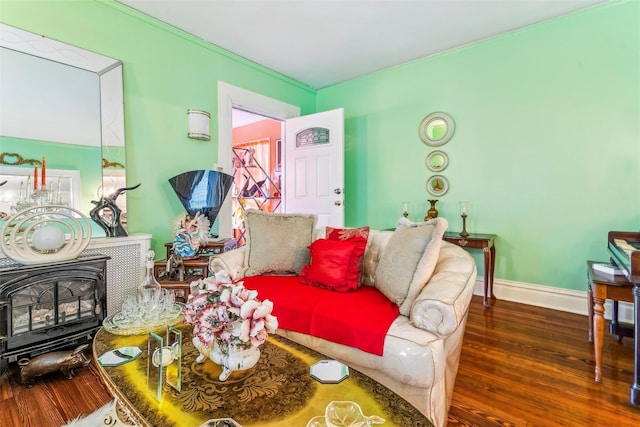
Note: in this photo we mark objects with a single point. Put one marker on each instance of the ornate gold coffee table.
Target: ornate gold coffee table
(278, 391)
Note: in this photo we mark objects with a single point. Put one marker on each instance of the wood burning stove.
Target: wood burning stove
(47, 307)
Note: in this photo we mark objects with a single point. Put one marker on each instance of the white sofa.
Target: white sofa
(421, 352)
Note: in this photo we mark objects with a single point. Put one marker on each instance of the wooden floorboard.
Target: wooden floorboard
(520, 366)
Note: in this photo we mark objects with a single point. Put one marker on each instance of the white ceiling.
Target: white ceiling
(324, 42)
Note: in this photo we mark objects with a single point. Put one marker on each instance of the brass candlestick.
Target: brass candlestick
(464, 233)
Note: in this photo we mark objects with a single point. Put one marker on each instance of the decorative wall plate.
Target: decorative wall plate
(437, 161)
(437, 185)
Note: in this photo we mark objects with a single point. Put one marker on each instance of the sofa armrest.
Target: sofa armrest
(231, 261)
(443, 303)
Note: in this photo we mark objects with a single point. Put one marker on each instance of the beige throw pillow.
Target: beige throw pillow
(277, 242)
(408, 261)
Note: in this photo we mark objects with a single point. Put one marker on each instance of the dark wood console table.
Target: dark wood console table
(486, 243)
(195, 269)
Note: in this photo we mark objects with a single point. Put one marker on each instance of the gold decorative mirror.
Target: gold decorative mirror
(436, 129)
(437, 161)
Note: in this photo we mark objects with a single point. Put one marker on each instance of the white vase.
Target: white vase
(231, 357)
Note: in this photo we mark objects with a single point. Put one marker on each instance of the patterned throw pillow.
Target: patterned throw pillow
(408, 261)
(277, 243)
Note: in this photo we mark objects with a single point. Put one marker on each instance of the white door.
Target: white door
(314, 166)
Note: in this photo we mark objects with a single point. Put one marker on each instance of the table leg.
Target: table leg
(634, 391)
(492, 252)
(590, 310)
(487, 275)
(598, 327)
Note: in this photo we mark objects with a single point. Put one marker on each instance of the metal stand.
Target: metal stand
(464, 233)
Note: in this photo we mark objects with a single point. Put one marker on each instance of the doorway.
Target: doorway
(256, 167)
(232, 98)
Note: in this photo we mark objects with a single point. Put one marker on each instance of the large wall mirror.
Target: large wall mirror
(64, 104)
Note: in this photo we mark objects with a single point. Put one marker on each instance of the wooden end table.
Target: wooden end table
(194, 269)
(601, 288)
(486, 243)
(213, 247)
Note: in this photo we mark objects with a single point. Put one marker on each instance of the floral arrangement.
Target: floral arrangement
(228, 313)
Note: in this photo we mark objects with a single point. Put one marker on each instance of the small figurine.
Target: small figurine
(175, 267)
(107, 214)
(63, 361)
(190, 234)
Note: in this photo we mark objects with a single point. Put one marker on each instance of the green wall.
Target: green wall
(546, 147)
(165, 72)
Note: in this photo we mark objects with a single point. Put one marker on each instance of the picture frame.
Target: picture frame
(437, 185)
(437, 161)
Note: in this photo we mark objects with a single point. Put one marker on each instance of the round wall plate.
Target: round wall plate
(437, 185)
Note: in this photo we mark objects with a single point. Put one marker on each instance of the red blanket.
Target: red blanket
(359, 318)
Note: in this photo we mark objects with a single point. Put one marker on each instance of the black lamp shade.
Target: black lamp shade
(202, 191)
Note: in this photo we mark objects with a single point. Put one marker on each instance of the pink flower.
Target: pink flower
(271, 323)
(263, 309)
(244, 331)
(259, 338)
(248, 308)
(226, 312)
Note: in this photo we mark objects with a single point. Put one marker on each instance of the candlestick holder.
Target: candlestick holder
(464, 233)
(405, 209)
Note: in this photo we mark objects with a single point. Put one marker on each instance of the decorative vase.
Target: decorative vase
(230, 356)
(432, 212)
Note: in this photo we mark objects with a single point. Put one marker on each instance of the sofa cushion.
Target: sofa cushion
(359, 319)
(408, 261)
(331, 265)
(277, 242)
(360, 236)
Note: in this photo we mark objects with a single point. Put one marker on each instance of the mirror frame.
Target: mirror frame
(443, 180)
(433, 154)
(425, 124)
(108, 70)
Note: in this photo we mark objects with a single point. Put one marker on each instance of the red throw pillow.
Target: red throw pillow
(358, 235)
(329, 267)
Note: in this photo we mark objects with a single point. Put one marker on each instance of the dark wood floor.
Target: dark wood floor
(520, 366)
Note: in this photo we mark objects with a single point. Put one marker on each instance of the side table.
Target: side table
(486, 243)
(213, 247)
(601, 288)
(194, 269)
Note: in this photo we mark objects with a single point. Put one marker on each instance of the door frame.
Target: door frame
(230, 97)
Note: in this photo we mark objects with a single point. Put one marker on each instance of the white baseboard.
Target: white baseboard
(549, 297)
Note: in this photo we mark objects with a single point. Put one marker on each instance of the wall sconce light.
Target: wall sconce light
(199, 125)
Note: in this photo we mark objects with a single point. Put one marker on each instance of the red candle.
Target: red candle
(35, 177)
(43, 182)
